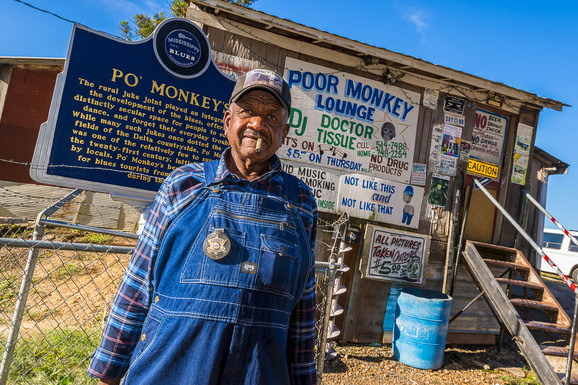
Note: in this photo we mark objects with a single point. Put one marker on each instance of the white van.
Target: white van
(562, 251)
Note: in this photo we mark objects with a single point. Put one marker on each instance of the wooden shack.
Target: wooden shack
(242, 38)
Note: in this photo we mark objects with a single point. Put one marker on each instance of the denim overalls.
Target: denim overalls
(222, 317)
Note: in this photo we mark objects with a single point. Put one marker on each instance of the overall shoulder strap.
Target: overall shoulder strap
(291, 187)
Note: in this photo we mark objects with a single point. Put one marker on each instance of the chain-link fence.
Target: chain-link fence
(54, 295)
(57, 282)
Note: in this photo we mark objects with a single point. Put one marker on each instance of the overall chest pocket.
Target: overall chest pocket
(199, 268)
(278, 264)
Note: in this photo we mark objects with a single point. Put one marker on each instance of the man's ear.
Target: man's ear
(286, 128)
(226, 120)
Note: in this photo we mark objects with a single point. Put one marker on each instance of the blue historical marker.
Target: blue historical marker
(125, 114)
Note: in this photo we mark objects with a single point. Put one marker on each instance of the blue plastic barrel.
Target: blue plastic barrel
(421, 327)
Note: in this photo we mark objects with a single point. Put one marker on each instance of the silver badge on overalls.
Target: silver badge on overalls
(217, 245)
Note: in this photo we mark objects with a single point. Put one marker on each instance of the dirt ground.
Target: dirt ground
(376, 365)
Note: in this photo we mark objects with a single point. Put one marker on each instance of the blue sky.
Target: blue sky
(530, 45)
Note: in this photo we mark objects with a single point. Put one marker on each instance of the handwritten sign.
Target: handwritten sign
(390, 255)
(488, 137)
(380, 200)
(324, 183)
(349, 123)
(125, 114)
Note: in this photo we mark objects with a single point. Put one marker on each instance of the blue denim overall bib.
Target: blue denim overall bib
(224, 321)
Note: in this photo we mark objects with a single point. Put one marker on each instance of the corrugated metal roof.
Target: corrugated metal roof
(89, 208)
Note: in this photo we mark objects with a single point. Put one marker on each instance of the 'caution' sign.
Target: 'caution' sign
(478, 167)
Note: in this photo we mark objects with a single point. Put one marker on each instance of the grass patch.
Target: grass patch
(60, 357)
(530, 379)
(8, 291)
(67, 270)
(98, 238)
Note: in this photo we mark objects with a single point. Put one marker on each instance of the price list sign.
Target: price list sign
(393, 255)
(125, 114)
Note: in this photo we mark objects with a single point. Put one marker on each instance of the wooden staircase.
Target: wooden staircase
(521, 300)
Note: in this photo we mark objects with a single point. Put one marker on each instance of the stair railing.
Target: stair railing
(476, 183)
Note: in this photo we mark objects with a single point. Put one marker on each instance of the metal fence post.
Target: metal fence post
(25, 286)
(329, 282)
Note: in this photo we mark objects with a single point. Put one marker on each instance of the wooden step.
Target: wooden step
(515, 282)
(534, 304)
(548, 327)
(511, 265)
(558, 351)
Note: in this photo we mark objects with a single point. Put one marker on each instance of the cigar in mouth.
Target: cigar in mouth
(258, 145)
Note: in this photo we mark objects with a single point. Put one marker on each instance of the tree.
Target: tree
(143, 25)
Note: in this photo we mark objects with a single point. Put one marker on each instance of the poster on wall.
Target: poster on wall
(393, 255)
(381, 200)
(419, 174)
(454, 119)
(430, 98)
(435, 147)
(349, 123)
(520, 169)
(324, 183)
(450, 145)
(523, 139)
(438, 190)
(454, 104)
(448, 165)
(521, 153)
(465, 147)
(488, 137)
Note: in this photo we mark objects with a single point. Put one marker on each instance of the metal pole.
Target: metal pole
(327, 311)
(522, 220)
(543, 210)
(451, 241)
(462, 232)
(25, 287)
(73, 226)
(65, 246)
(572, 341)
(477, 297)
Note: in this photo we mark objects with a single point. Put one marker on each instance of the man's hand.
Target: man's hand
(104, 381)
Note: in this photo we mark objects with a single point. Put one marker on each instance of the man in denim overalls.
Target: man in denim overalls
(221, 286)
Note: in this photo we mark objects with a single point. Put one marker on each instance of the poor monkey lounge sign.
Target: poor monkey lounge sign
(125, 114)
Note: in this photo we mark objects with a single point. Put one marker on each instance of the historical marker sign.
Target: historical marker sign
(125, 114)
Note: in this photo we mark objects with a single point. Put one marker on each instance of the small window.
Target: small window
(553, 241)
(572, 247)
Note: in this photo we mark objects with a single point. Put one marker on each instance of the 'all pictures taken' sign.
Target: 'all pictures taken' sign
(393, 255)
(125, 114)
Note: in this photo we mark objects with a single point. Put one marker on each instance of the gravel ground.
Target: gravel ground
(376, 365)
